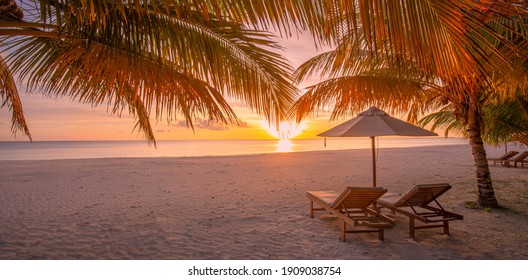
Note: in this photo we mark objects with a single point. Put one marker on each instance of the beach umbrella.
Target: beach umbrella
(375, 122)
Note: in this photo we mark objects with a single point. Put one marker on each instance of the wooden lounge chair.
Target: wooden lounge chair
(415, 204)
(521, 159)
(354, 207)
(503, 158)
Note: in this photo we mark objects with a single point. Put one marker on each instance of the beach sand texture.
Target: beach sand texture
(247, 207)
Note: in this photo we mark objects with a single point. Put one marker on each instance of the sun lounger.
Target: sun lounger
(354, 207)
(503, 158)
(415, 204)
(521, 159)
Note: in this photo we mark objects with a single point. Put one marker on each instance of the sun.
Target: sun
(285, 130)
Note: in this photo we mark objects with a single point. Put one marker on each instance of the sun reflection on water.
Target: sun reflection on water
(284, 131)
(284, 146)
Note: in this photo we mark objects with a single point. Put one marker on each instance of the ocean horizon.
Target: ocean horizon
(46, 150)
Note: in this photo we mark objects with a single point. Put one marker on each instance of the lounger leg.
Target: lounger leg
(381, 234)
(343, 232)
(446, 227)
(411, 227)
(311, 209)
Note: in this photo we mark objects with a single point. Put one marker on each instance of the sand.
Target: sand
(247, 207)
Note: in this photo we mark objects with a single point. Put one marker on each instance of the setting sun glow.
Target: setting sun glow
(284, 132)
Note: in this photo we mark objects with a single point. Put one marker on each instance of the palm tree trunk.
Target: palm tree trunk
(486, 195)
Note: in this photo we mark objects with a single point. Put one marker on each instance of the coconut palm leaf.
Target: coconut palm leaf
(452, 40)
(347, 59)
(9, 97)
(504, 121)
(358, 79)
(352, 93)
(444, 119)
(172, 57)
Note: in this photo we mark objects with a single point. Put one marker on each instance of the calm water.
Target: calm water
(22, 150)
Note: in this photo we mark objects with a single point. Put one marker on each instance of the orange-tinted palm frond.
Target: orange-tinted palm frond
(345, 95)
(9, 98)
(176, 58)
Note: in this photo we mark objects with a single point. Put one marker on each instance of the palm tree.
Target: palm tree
(183, 57)
(162, 59)
(412, 56)
(505, 120)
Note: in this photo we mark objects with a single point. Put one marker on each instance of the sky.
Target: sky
(57, 119)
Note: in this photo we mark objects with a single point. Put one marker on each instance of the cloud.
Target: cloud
(210, 125)
(202, 124)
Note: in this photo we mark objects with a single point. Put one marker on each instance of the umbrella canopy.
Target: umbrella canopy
(375, 122)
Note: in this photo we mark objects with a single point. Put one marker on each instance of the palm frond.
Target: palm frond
(172, 57)
(444, 119)
(10, 98)
(353, 93)
(504, 120)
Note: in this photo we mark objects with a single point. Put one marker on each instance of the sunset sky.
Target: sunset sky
(62, 119)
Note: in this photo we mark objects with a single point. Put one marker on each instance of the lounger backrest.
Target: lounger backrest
(422, 195)
(522, 156)
(508, 155)
(358, 197)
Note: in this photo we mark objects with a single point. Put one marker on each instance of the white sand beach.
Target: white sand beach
(247, 207)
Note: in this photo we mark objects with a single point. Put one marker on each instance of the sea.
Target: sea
(46, 150)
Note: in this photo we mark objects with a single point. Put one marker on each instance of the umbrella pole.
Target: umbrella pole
(373, 161)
